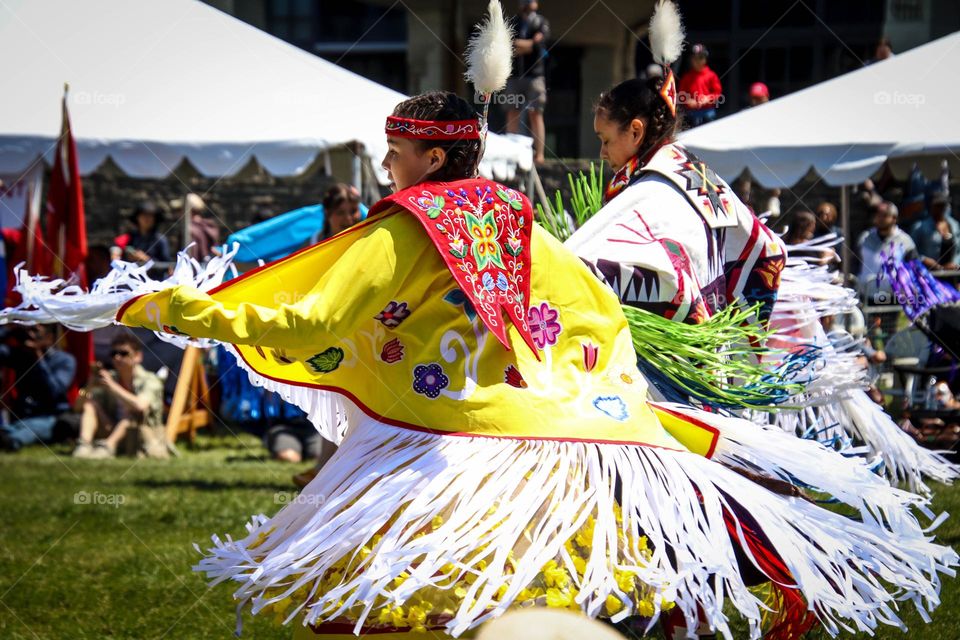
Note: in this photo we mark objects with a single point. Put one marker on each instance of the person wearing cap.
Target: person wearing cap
(883, 239)
(700, 89)
(759, 93)
(529, 74)
(936, 235)
(145, 242)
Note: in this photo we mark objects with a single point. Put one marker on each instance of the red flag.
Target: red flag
(62, 252)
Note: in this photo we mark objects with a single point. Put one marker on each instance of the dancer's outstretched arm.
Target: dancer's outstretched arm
(351, 290)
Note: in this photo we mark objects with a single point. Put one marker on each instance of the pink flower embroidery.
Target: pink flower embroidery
(544, 325)
(514, 246)
(590, 351)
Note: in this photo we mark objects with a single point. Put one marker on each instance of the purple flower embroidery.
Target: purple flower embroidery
(429, 379)
(544, 325)
(393, 314)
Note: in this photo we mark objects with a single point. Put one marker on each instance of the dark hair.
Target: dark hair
(336, 195)
(463, 156)
(802, 221)
(148, 206)
(638, 98)
(128, 339)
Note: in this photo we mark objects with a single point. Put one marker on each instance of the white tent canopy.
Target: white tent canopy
(903, 109)
(152, 83)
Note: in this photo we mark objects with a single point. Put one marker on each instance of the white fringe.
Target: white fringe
(48, 301)
(55, 301)
(809, 464)
(808, 293)
(904, 459)
(538, 494)
(833, 407)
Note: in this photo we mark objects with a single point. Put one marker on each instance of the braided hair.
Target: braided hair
(462, 156)
(638, 98)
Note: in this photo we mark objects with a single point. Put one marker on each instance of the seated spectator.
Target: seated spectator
(297, 440)
(884, 238)
(43, 376)
(146, 241)
(936, 235)
(122, 409)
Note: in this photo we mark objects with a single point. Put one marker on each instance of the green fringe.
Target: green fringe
(712, 361)
(585, 200)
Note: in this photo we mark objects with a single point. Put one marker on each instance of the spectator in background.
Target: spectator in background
(884, 238)
(826, 215)
(97, 262)
(204, 230)
(700, 90)
(771, 205)
(296, 440)
(870, 195)
(43, 376)
(529, 74)
(801, 229)
(122, 409)
(743, 189)
(145, 242)
(883, 51)
(341, 210)
(913, 207)
(759, 93)
(936, 235)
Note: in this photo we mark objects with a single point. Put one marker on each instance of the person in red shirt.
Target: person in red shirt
(759, 94)
(700, 90)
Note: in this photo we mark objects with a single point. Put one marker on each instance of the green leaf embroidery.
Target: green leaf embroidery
(326, 361)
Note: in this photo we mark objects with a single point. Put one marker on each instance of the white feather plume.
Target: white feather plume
(490, 52)
(666, 32)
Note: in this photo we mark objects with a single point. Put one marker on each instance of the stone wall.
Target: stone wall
(110, 198)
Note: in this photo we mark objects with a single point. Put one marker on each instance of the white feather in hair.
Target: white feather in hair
(666, 33)
(490, 52)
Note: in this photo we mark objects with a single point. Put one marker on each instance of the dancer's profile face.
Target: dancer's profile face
(407, 163)
(618, 143)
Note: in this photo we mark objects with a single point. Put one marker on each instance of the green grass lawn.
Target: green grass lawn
(103, 549)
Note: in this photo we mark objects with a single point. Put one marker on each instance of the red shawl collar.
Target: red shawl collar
(482, 231)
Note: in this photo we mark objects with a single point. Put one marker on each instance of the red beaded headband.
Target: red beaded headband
(433, 129)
